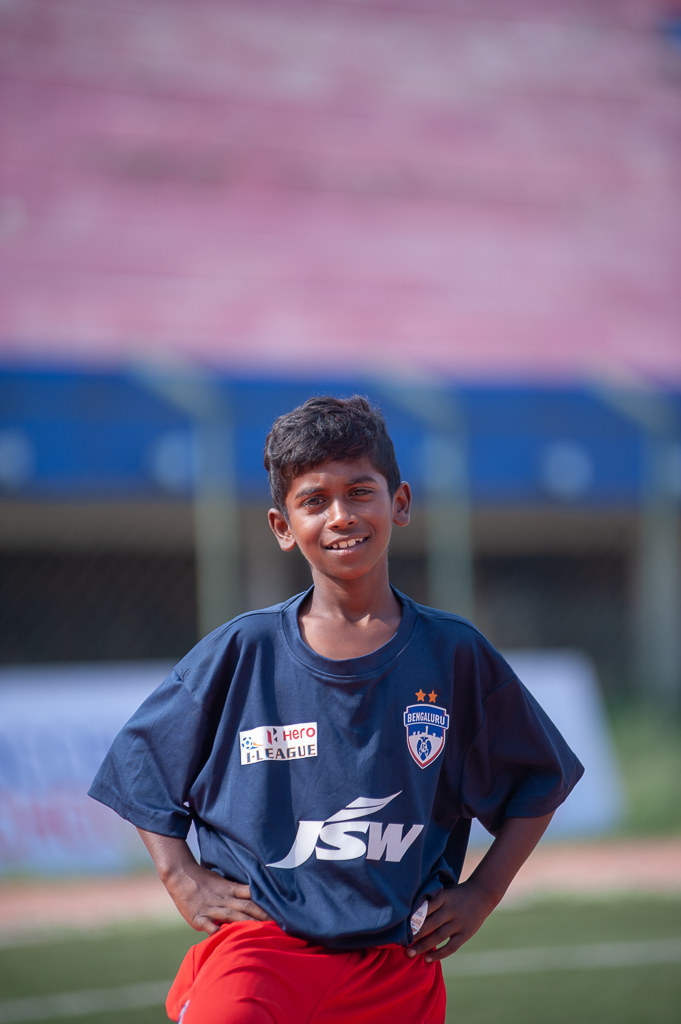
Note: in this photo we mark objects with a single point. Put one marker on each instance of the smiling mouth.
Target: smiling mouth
(341, 545)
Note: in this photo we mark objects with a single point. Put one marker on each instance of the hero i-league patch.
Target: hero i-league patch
(278, 742)
(426, 729)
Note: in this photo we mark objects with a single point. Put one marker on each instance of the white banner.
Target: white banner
(56, 725)
(57, 722)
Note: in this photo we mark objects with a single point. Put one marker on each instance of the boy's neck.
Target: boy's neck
(349, 618)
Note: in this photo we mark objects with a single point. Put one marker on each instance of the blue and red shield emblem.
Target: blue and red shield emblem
(426, 731)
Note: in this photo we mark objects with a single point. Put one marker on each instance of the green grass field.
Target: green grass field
(648, 745)
(633, 994)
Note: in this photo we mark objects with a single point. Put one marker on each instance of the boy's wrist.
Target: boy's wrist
(516, 839)
(170, 872)
(489, 893)
(173, 870)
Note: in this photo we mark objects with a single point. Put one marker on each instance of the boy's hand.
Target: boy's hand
(457, 913)
(454, 914)
(205, 899)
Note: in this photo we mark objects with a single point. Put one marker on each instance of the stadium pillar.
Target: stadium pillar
(658, 594)
(449, 558)
(450, 571)
(216, 522)
(659, 578)
(216, 514)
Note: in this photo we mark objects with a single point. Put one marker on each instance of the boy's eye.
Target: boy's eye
(315, 500)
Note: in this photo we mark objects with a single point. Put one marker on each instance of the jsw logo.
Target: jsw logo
(336, 831)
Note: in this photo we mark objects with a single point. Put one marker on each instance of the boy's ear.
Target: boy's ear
(402, 504)
(281, 529)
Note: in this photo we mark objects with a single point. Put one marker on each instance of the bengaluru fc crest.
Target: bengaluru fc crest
(426, 731)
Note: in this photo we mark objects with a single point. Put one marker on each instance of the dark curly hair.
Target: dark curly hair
(327, 428)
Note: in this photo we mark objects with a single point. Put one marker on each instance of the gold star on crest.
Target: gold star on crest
(420, 695)
(432, 696)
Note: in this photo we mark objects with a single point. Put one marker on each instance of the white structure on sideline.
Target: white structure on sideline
(564, 682)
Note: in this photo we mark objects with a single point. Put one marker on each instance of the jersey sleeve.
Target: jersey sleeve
(518, 764)
(147, 773)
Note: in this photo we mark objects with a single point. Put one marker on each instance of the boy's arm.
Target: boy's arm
(456, 913)
(205, 899)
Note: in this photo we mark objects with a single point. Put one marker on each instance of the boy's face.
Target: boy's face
(340, 514)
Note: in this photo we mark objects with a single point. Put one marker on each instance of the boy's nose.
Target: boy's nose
(340, 515)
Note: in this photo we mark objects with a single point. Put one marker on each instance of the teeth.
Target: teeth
(346, 543)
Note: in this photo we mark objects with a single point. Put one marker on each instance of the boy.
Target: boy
(331, 752)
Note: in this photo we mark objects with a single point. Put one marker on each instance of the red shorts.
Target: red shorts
(252, 972)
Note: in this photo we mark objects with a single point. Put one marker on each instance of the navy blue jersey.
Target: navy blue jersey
(341, 792)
